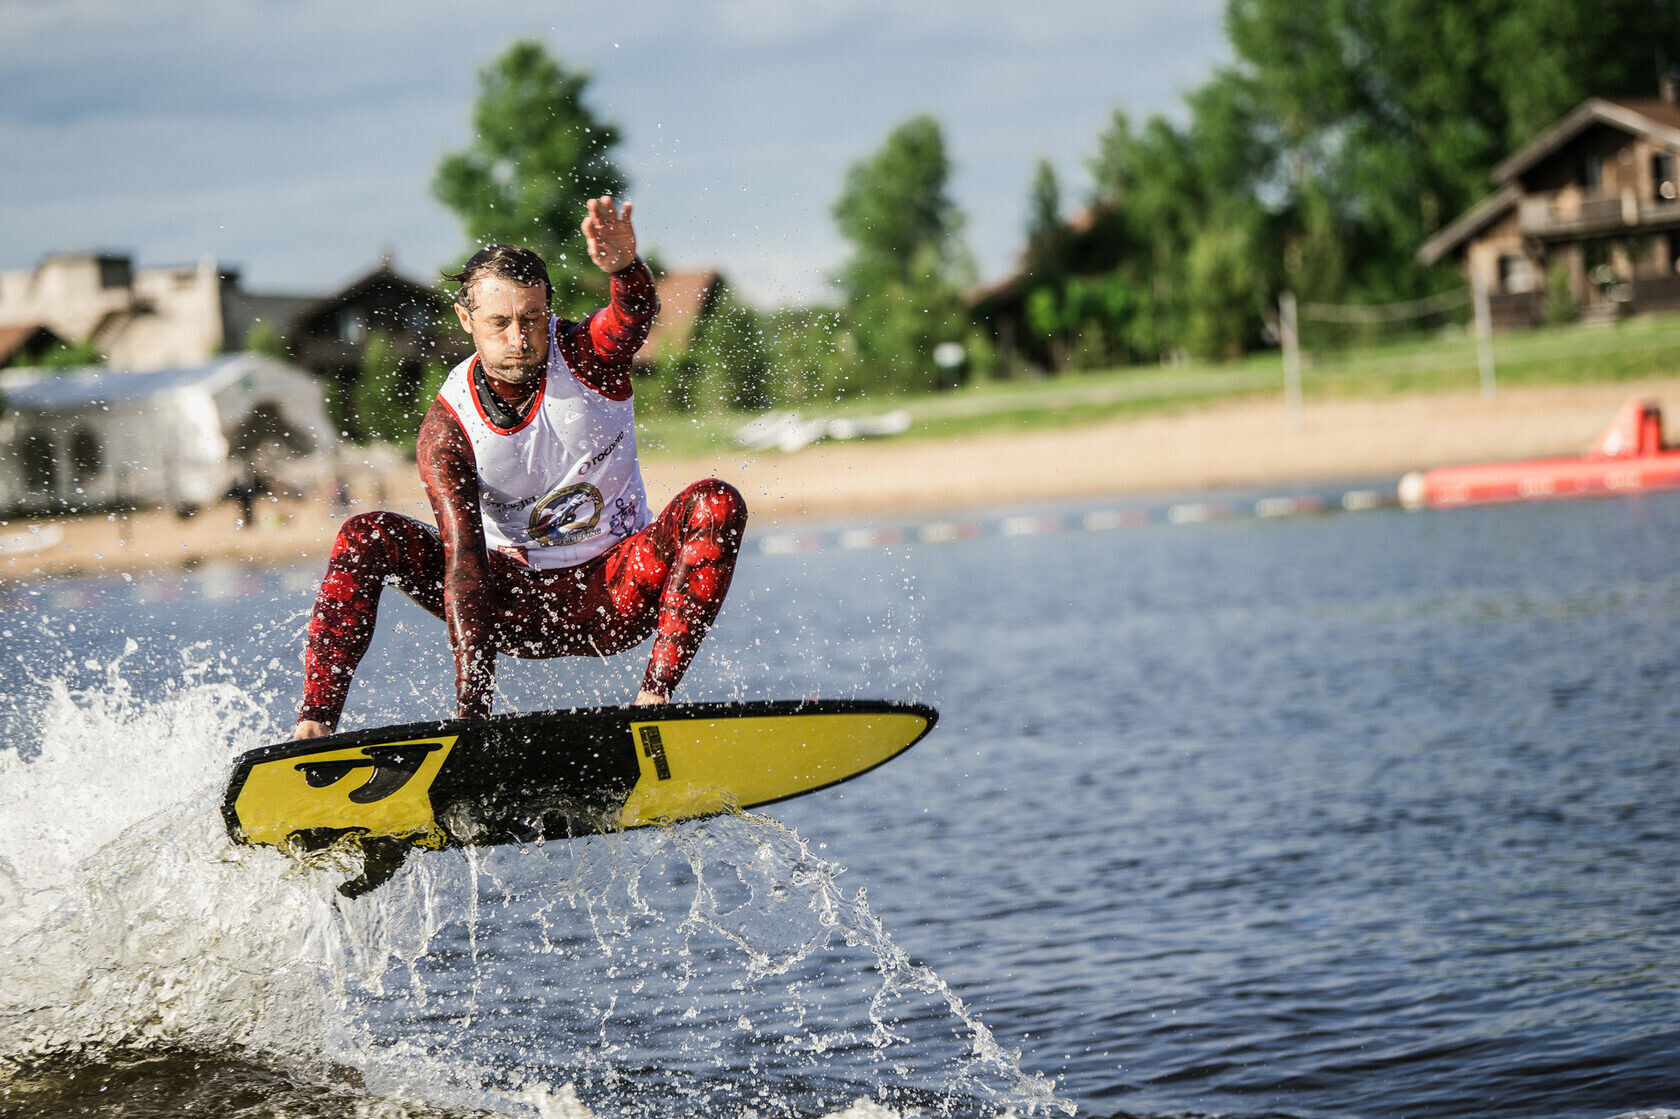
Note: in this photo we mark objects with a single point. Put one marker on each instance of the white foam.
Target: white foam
(129, 920)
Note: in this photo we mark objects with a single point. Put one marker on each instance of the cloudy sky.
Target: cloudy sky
(295, 139)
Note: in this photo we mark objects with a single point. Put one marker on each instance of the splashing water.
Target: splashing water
(707, 968)
(129, 924)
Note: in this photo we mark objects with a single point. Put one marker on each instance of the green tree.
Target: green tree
(733, 356)
(1224, 294)
(382, 398)
(1559, 305)
(811, 353)
(433, 373)
(1394, 112)
(538, 154)
(1344, 133)
(908, 266)
(1044, 204)
(68, 355)
(1111, 166)
(896, 210)
(264, 338)
(728, 364)
(1150, 181)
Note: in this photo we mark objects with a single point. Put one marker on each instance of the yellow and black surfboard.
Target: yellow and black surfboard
(519, 778)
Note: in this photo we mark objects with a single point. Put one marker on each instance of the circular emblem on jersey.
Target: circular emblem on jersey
(566, 516)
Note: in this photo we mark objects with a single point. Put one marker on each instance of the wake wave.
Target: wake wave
(700, 969)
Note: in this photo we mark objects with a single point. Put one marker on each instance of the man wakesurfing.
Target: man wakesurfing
(544, 546)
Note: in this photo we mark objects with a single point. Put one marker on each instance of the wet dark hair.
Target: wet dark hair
(514, 263)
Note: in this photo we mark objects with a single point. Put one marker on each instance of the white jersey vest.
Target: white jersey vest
(564, 485)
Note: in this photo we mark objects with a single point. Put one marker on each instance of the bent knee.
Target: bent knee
(716, 505)
(367, 526)
(369, 535)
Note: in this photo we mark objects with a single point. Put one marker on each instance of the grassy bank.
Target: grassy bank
(1631, 349)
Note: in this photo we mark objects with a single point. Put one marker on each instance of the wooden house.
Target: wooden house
(1589, 207)
(330, 336)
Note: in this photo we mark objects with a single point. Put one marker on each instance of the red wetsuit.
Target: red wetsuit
(668, 580)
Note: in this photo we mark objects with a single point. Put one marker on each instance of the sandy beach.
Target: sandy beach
(1236, 445)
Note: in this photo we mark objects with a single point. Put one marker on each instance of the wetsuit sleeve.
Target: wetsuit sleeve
(600, 348)
(447, 469)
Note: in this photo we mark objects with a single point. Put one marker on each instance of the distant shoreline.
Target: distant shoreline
(1235, 445)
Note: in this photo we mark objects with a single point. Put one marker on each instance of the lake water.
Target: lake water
(1343, 815)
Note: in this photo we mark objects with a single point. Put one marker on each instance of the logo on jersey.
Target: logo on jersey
(623, 522)
(566, 516)
(602, 457)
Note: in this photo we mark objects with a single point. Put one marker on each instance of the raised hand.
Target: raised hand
(610, 236)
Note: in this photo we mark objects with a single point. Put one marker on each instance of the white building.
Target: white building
(179, 438)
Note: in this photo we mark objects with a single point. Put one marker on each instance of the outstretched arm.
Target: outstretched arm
(448, 470)
(610, 235)
(600, 348)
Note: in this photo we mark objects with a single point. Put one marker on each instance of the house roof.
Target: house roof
(1650, 117)
(684, 300)
(382, 277)
(1469, 223)
(28, 390)
(998, 290)
(20, 336)
(1008, 289)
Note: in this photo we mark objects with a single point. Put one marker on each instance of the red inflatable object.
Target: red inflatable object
(1628, 458)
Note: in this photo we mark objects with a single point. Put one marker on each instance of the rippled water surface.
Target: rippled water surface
(1352, 815)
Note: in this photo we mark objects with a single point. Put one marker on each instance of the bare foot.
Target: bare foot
(646, 698)
(309, 728)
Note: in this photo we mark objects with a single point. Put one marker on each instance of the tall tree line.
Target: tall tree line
(1343, 134)
(539, 149)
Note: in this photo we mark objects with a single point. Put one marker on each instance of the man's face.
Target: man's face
(509, 325)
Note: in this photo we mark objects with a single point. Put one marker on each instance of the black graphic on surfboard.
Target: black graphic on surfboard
(392, 766)
(520, 778)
